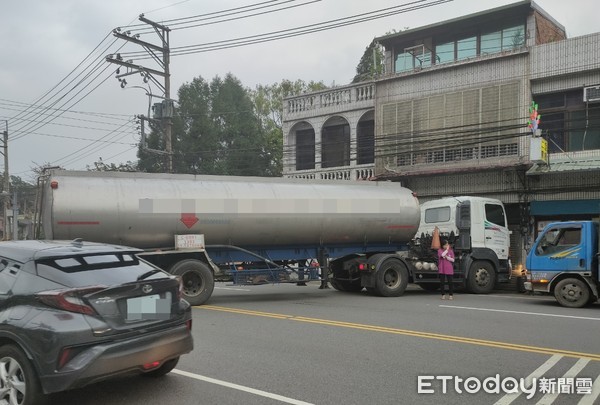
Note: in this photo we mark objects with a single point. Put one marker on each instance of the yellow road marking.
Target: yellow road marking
(405, 332)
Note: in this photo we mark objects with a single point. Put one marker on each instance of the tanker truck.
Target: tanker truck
(252, 230)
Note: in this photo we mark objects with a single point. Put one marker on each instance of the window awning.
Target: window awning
(565, 165)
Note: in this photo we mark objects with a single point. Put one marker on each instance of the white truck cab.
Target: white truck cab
(478, 231)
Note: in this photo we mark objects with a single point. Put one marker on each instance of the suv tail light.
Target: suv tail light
(69, 300)
(67, 354)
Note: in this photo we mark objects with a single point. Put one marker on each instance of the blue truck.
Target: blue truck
(563, 262)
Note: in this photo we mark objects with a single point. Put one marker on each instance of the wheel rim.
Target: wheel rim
(12, 382)
(482, 277)
(391, 278)
(571, 292)
(192, 284)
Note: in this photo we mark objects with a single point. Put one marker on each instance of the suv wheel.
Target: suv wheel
(18, 381)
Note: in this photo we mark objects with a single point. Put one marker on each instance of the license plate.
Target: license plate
(149, 307)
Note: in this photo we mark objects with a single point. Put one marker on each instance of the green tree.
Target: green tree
(371, 63)
(241, 136)
(223, 128)
(196, 132)
(215, 131)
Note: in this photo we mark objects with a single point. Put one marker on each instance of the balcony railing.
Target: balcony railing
(361, 95)
(364, 172)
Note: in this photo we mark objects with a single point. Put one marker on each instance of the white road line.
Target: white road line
(232, 289)
(521, 312)
(509, 398)
(241, 388)
(512, 296)
(549, 398)
(591, 398)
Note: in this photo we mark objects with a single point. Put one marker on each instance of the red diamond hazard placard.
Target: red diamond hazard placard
(189, 220)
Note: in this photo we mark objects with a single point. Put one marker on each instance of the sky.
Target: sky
(63, 106)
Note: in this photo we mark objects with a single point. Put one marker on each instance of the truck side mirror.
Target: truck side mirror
(463, 223)
(463, 216)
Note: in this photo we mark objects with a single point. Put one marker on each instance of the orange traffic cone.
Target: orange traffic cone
(435, 239)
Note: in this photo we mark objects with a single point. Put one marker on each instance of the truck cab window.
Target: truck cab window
(495, 214)
(438, 214)
(558, 240)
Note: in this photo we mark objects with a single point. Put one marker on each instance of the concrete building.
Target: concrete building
(450, 117)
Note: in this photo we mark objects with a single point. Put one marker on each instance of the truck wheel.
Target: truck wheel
(345, 286)
(392, 278)
(198, 281)
(572, 293)
(337, 285)
(482, 278)
(340, 280)
(18, 380)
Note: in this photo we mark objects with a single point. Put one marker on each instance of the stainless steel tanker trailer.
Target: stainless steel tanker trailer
(255, 230)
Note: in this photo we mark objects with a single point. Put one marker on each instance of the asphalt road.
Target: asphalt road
(284, 344)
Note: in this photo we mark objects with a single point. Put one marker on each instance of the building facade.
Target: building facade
(451, 116)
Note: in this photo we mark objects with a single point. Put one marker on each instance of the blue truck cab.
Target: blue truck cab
(563, 261)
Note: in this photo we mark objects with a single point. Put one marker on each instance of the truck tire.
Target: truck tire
(482, 278)
(572, 293)
(346, 286)
(340, 277)
(198, 281)
(392, 278)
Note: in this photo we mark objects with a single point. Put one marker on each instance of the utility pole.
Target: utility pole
(160, 54)
(6, 179)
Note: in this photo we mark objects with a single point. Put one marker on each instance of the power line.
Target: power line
(245, 37)
(143, 28)
(65, 159)
(43, 105)
(12, 103)
(297, 31)
(22, 130)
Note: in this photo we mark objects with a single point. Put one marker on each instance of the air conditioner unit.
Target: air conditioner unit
(591, 94)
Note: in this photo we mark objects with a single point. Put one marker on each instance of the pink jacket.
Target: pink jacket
(446, 261)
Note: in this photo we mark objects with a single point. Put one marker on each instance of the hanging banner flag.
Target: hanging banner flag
(534, 117)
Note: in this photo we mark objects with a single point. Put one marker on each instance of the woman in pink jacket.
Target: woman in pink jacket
(446, 268)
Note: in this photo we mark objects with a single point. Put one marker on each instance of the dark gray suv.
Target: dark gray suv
(73, 313)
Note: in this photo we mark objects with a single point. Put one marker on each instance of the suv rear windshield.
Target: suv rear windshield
(105, 269)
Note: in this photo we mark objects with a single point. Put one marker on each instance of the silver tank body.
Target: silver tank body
(146, 210)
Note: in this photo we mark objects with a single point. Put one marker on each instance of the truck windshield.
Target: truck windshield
(558, 240)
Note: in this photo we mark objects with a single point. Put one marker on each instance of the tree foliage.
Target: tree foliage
(221, 127)
(100, 166)
(370, 64)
